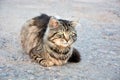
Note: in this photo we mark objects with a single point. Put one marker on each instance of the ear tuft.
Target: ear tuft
(74, 23)
(53, 22)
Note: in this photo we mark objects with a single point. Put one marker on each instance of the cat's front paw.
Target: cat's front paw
(46, 63)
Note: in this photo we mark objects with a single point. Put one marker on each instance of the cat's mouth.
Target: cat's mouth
(61, 43)
(60, 49)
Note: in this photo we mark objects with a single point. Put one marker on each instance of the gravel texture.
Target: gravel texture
(98, 39)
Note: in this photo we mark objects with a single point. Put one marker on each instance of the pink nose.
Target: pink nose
(66, 38)
(64, 41)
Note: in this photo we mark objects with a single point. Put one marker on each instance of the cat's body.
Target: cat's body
(49, 41)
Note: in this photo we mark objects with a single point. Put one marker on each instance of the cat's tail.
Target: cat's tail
(75, 57)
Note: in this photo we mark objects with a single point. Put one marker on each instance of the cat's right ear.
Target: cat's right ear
(53, 23)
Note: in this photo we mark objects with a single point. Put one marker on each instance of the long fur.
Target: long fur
(36, 40)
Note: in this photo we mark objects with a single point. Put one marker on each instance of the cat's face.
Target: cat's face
(61, 32)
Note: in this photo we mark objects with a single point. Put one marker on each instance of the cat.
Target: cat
(49, 41)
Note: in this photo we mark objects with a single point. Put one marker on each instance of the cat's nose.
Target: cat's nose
(66, 39)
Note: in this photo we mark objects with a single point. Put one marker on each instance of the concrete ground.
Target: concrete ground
(98, 39)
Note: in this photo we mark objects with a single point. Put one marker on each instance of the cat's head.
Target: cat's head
(61, 32)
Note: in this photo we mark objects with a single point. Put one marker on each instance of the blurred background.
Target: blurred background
(98, 39)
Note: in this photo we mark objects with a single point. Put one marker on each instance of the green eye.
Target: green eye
(60, 35)
(73, 34)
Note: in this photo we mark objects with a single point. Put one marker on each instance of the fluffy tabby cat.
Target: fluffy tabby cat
(49, 41)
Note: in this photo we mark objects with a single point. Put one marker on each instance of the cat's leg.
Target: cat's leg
(75, 57)
(46, 63)
(42, 61)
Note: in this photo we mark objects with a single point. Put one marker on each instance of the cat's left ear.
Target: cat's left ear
(53, 22)
(74, 23)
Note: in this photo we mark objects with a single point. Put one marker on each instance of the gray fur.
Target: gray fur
(48, 40)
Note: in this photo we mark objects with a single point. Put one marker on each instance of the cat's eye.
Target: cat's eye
(73, 34)
(60, 35)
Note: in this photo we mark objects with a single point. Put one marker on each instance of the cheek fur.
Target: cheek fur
(63, 42)
(57, 41)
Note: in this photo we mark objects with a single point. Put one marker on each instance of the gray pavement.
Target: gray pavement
(98, 39)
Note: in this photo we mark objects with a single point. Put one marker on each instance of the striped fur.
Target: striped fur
(49, 41)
